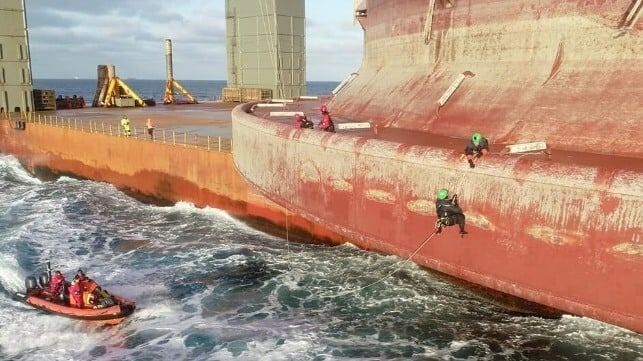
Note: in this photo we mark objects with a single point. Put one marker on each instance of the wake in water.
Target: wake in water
(208, 287)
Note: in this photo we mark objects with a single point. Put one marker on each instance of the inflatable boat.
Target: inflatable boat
(38, 296)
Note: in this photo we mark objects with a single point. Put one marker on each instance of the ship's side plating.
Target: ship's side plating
(568, 73)
(563, 236)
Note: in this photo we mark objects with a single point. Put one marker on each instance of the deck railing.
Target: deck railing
(113, 128)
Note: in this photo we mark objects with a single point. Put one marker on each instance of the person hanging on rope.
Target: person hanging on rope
(477, 147)
(449, 212)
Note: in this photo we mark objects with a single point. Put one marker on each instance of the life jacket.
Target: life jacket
(75, 293)
(88, 286)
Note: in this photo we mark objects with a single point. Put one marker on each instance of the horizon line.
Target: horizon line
(327, 81)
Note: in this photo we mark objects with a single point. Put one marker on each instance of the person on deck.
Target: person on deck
(477, 147)
(298, 121)
(307, 124)
(301, 122)
(125, 124)
(326, 124)
(150, 128)
(57, 285)
(449, 212)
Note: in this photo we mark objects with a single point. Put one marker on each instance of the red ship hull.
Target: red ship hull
(562, 234)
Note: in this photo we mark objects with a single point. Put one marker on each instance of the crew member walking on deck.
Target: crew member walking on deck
(125, 124)
(326, 124)
(449, 212)
(477, 147)
(150, 128)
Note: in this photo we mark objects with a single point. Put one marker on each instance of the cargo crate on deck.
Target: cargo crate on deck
(124, 102)
(44, 99)
(245, 94)
(231, 95)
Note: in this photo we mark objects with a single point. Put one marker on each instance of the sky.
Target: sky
(69, 38)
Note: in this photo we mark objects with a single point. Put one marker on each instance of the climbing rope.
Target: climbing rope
(288, 244)
(392, 272)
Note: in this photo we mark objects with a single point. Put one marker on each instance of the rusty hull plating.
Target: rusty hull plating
(566, 72)
(569, 73)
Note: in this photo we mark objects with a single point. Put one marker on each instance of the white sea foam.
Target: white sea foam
(208, 287)
(10, 276)
(11, 165)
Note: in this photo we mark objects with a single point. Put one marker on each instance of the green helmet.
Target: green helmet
(476, 138)
(443, 193)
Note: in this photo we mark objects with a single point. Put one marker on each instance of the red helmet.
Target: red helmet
(298, 117)
(324, 108)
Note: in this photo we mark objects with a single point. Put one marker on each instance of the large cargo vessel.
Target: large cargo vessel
(565, 232)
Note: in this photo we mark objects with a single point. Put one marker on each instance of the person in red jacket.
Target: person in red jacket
(57, 285)
(75, 297)
(76, 289)
(326, 124)
(298, 121)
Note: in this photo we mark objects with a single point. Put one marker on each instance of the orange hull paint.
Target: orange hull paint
(154, 172)
(103, 316)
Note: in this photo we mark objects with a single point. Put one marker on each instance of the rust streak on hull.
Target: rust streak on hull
(565, 234)
(155, 172)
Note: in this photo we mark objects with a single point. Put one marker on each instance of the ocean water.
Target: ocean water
(202, 90)
(208, 287)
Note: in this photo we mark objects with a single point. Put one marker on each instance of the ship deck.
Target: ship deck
(214, 119)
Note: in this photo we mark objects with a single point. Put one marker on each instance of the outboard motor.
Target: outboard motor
(64, 294)
(30, 283)
(43, 280)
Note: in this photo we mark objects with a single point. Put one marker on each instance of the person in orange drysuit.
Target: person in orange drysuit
(76, 289)
(90, 288)
(75, 299)
(57, 285)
